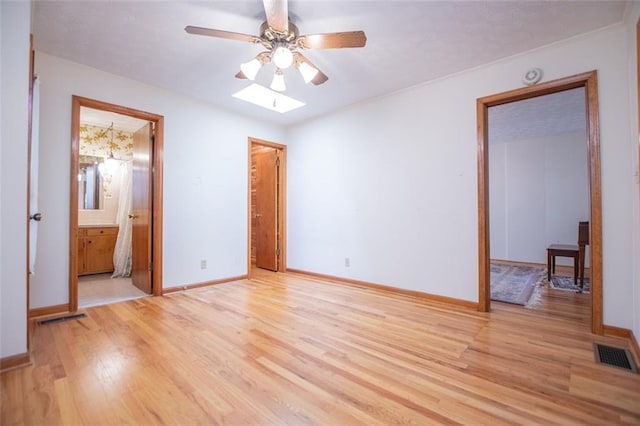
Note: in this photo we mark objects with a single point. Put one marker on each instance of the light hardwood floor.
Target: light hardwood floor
(286, 349)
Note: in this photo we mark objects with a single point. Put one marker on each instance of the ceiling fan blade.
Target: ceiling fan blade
(221, 34)
(277, 12)
(333, 40)
(320, 77)
(241, 75)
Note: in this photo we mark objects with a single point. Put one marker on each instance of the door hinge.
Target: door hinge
(278, 252)
(278, 162)
(151, 266)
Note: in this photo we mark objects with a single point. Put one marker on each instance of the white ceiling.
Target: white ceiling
(408, 43)
(539, 117)
(105, 119)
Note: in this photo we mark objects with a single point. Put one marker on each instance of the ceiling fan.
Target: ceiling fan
(281, 39)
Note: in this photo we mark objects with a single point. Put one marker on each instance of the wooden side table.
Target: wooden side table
(583, 240)
(562, 250)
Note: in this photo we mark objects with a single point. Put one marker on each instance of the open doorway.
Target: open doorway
(588, 83)
(115, 219)
(538, 196)
(267, 206)
(105, 197)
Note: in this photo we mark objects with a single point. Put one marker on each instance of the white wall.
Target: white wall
(205, 177)
(632, 17)
(392, 183)
(538, 192)
(416, 148)
(15, 29)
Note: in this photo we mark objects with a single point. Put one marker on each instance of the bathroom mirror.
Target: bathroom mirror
(90, 185)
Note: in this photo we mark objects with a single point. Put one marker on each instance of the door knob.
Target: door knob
(37, 217)
(132, 216)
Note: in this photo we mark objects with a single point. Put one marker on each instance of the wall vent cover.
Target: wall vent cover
(60, 319)
(616, 357)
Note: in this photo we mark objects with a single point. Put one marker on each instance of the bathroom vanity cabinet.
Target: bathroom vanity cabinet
(95, 249)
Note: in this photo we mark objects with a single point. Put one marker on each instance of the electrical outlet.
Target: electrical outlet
(347, 262)
(203, 264)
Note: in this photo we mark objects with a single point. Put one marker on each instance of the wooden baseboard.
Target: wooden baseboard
(636, 347)
(568, 269)
(402, 291)
(610, 330)
(203, 284)
(14, 361)
(516, 262)
(49, 310)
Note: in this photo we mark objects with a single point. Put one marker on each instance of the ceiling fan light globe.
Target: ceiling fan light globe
(282, 57)
(308, 72)
(277, 83)
(250, 69)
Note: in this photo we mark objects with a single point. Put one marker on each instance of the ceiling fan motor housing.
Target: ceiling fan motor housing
(269, 36)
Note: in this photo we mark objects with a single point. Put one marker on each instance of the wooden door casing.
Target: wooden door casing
(141, 209)
(588, 81)
(266, 210)
(156, 161)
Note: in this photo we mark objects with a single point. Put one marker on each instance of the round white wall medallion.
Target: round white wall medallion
(532, 76)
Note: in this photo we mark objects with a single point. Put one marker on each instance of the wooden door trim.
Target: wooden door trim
(157, 166)
(638, 99)
(32, 79)
(587, 80)
(282, 205)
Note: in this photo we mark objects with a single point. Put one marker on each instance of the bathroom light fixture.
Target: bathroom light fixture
(109, 163)
(108, 167)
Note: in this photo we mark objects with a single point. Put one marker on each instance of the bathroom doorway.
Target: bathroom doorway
(115, 204)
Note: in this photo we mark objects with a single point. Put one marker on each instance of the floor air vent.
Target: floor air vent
(616, 357)
(60, 319)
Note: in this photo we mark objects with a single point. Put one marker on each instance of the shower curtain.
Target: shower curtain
(122, 252)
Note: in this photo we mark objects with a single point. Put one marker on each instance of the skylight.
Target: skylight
(268, 99)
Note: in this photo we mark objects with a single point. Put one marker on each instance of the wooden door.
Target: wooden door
(141, 209)
(266, 207)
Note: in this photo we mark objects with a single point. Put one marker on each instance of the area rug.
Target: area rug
(566, 284)
(514, 283)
